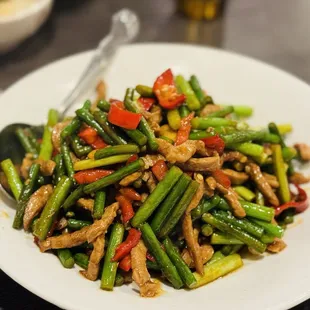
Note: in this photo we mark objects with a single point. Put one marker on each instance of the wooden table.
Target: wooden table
(273, 31)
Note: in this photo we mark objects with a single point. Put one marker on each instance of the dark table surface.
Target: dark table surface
(273, 31)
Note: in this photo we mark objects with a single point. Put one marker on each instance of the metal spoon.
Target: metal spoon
(124, 28)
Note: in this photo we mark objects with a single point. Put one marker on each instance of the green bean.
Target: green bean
(183, 270)
(27, 190)
(102, 120)
(266, 238)
(248, 148)
(284, 128)
(52, 207)
(223, 130)
(143, 126)
(280, 172)
(65, 153)
(65, 257)
(223, 112)
(77, 224)
(88, 118)
(81, 260)
(270, 138)
(218, 269)
(178, 210)
(25, 142)
(99, 204)
(174, 119)
(59, 169)
(221, 238)
(260, 200)
(119, 280)
(206, 122)
(226, 249)
(184, 111)
(91, 163)
(52, 118)
(191, 99)
(236, 232)
(194, 83)
(274, 130)
(206, 206)
(206, 230)
(236, 248)
(244, 192)
(79, 148)
(167, 139)
(74, 197)
(161, 257)
(114, 177)
(152, 266)
(243, 224)
(272, 229)
(71, 129)
(215, 257)
(145, 91)
(243, 136)
(116, 150)
(243, 110)
(157, 196)
(170, 201)
(12, 176)
(288, 153)
(109, 267)
(200, 134)
(32, 138)
(136, 135)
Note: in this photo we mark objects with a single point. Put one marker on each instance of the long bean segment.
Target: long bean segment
(157, 196)
(243, 136)
(26, 142)
(116, 150)
(12, 176)
(194, 83)
(52, 207)
(99, 204)
(65, 257)
(206, 122)
(161, 257)
(109, 267)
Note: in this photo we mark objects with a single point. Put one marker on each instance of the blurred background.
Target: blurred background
(272, 31)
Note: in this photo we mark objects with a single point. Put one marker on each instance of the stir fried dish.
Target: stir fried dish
(162, 186)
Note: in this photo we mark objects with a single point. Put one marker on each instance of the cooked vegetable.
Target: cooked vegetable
(99, 205)
(65, 258)
(26, 142)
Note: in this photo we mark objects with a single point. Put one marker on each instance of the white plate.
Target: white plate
(274, 282)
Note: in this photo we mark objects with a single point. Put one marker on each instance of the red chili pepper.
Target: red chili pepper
(130, 193)
(118, 103)
(126, 208)
(91, 137)
(185, 128)
(132, 158)
(300, 205)
(160, 169)
(221, 178)
(125, 247)
(150, 257)
(146, 102)
(125, 263)
(91, 175)
(215, 142)
(166, 91)
(123, 118)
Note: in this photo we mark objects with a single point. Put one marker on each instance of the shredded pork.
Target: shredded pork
(94, 260)
(277, 246)
(256, 175)
(87, 204)
(140, 274)
(129, 179)
(46, 166)
(150, 160)
(234, 156)
(57, 129)
(304, 151)
(299, 178)
(271, 180)
(207, 252)
(36, 203)
(210, 108)
(201, 164)
(235, 177)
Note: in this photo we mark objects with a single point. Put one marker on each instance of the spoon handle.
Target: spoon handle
(124, 28)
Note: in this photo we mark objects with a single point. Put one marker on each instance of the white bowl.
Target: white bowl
(16, 28)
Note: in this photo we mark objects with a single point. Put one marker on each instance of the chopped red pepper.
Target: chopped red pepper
(215, 142)
(118, 103)
(300, 205)
(166, 91)
(126, 208)
(146, 102)
(130, 193)
(123, 118)
(91, 137)
(221, 178)
(185, 128)
(160, 169)
(125, 247)
(132, 158)
(125, 263)
(91, 175)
